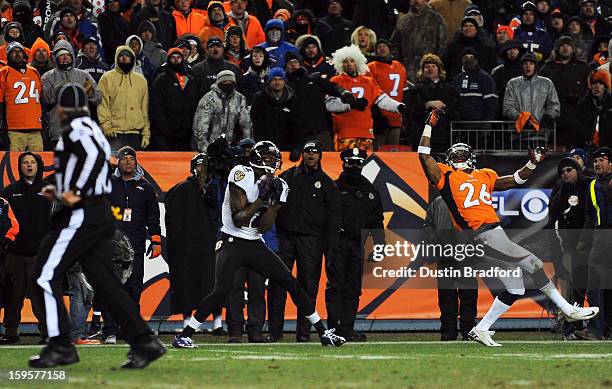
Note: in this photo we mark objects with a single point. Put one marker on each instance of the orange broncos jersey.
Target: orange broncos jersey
(468, 196)
(391, 78)
(20, 93)
(355, 123)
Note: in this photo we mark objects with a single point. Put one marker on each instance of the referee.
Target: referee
(81, 231)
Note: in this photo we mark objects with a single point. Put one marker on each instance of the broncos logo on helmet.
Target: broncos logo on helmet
(461, 156)
(262, 148)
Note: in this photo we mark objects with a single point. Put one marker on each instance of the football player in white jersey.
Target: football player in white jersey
(252, 200)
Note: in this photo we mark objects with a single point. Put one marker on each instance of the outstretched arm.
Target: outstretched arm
(520, 176)
(430, 167)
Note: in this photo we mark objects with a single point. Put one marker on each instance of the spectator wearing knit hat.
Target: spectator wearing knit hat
(216, 24)
(341, 28)
(432, 91)
(223, 110)
(594, 113)
(207, 70)
(468, 37)
(13, 32)
(162, 20)
(41, 56)
(114, 30)
(151, 48)
(53, 80)
(174, 98)
(258, 65)
(273, 112)
(511, 53)
(533, 38)
(420, 31)
(81, 19)
(452, 11)
(235, 46)
(313, 57)
(569, 72)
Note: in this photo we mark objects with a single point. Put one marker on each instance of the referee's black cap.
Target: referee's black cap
(72, 95)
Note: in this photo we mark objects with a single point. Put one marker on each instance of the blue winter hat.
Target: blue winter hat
(277, 72)
(580, 152)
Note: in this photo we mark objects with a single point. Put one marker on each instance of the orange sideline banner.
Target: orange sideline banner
(405, 192)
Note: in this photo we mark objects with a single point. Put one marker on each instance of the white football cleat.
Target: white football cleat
(483, 337)
(581, 313)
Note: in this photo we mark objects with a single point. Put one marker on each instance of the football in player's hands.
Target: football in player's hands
(434, 116)
(360, 104)
(264, 184)
(537, 155)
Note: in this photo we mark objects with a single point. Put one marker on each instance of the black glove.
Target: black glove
(547, 122)
(403, 109)
(360, 104)
(347, 98)
(276, 189)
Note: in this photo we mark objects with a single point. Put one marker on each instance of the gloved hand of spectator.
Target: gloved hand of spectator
(403, 109)
(360, 104)
(155, 248)
(145, 141)
(348, 98)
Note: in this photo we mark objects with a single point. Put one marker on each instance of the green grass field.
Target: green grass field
(527, 360)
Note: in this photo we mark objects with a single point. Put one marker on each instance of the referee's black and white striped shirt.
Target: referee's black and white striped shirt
(81, 160)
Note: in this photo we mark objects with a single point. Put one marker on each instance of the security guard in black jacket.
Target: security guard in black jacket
(308, 226)
(361, 210)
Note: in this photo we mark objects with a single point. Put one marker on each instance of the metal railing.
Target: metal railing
(501, 136)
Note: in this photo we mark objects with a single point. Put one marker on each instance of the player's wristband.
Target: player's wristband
(427, 131)
(424, 150)
(530, 165)
(518, 178)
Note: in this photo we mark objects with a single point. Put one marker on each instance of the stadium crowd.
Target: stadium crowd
(347, 75)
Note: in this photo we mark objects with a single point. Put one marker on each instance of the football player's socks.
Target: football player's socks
(553, 294)
(497, 309)
(61, 340)
(316, 322)
(192, 325)
(217, 322)
(186, 321)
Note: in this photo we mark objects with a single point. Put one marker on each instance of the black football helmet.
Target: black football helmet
(461, 156)
(265, 148)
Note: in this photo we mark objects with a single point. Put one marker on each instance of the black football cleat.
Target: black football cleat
(355, 336)
(142, 354)
(54, 355)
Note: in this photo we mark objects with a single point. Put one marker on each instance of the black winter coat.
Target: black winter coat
(206, 73)
(172, 111)
(361, 208)
(138, 195)
(310, 91)
(190, 237)
(313, 205)
(454, 53)
(32, 211)
(423, 92)
(340, 35)
(586, 120)
(163, 22)
(276, 120)
(501, 75)
(114, 30)
(571, 84)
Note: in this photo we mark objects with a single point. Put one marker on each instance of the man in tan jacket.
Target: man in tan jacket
(124, 110)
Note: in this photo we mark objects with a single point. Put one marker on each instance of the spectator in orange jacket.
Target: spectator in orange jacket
(216, 25)
(187, 21)
(253, 33)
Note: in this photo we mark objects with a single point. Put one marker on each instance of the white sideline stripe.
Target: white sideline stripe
(314, 344)
(55, 256)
